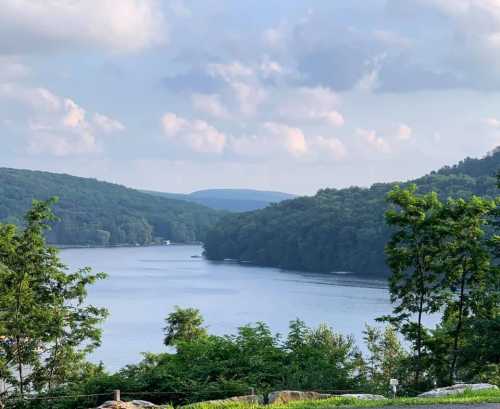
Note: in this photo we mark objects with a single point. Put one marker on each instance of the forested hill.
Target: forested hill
(337, 229)
(99, 213)
(233, 200)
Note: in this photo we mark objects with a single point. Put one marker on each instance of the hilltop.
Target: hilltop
(233, 200)
(92, 212)
(337, 229)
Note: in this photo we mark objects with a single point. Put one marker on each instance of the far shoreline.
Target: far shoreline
(114, 246)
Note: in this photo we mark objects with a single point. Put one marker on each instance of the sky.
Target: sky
(182, 95)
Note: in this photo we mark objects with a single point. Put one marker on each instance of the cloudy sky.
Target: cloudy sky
(180, 95)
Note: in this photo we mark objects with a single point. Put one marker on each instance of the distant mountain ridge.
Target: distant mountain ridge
(92, 212)
(337, 229)
(233, 200)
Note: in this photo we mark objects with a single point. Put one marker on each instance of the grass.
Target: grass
(469, 397)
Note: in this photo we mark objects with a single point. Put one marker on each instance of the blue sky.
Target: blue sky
(292, 96)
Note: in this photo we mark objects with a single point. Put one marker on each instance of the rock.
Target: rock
(143, 404)
(252, 399)
(363, 396)
(456, 389)
(288, 396)
(135, 404)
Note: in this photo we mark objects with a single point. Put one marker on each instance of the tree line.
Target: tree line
(99, 213)
(337, 229)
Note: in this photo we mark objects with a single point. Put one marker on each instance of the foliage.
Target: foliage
(213, 367)
(413, 254)
(99, 213)
(46, 329)
(387, 359)
(441, 262)
(337, 229)
(184, 324)
(468, 270)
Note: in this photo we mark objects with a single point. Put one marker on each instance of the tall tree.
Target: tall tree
(467, 264)
(45, 326)
(412, 255)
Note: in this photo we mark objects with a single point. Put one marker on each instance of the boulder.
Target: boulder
(288, 396)
(363, 396)
(456, 389)
(252, 399)
(135, 404)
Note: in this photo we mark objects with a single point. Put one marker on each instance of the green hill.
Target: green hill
(100, 213)
(337, 229)
(233, 200)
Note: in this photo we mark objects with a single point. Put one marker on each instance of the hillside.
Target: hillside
(233, 200)
(101, 213)
(337, 229)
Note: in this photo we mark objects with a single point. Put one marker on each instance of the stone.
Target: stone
(289, 396)
(363, 396)
(456, 389)
(135, 404)
(252, 399)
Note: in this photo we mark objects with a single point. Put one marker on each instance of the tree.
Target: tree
(467, 264)
(413, 256)
(386, 357)
(45, 328)
(184, 324)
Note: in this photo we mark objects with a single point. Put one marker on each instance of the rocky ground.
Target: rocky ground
(285, 397)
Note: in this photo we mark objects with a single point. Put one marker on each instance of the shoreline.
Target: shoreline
(95, 246)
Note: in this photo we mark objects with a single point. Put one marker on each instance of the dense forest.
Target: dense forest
(99, 213)
(337, 229)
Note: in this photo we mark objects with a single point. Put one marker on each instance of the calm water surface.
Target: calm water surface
(145, 283)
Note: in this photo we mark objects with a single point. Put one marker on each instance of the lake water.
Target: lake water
(145, 283)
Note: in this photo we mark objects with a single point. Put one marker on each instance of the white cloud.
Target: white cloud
(272, 140)
(107, 124)
(281, 140)
(37, 98)
(244, 83)
(492, 122)
(292, 139)
(59, 141)
(270, 68)
(331, 146)
(197, 135)
(209, 104)
(316, 104)
(53, 124)
(332, 117)
(404, 132)
(117, 25)
(75, 115)
(249, 96)
(230, 71)
(373, 141)
(475, 25)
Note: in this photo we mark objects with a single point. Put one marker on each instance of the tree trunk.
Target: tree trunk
(20, 367)
(458, 328)
(419, 340)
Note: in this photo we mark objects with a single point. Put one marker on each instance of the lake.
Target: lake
(145, 283)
